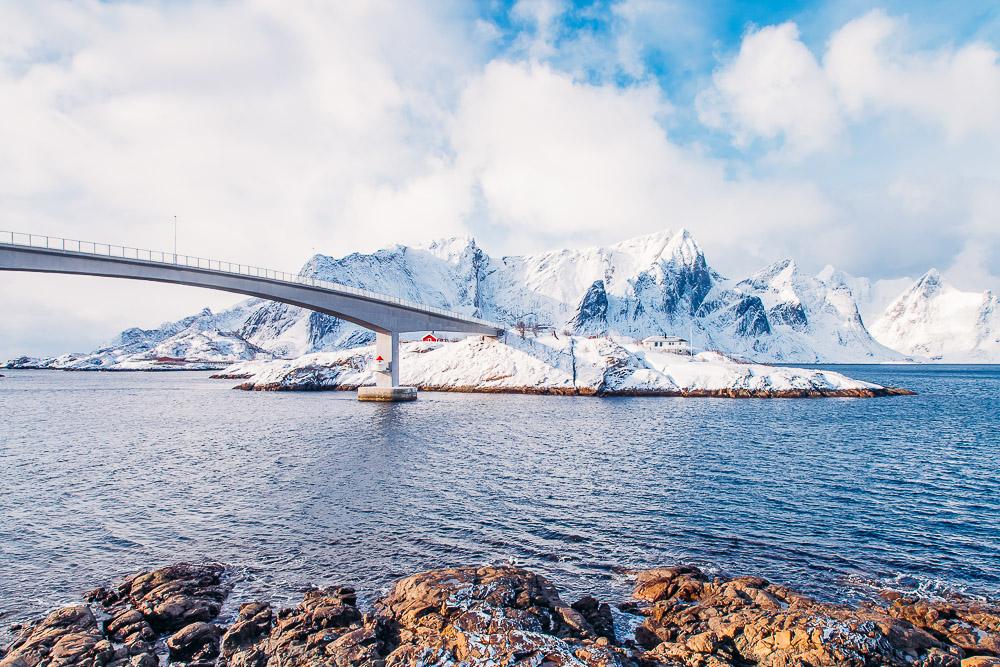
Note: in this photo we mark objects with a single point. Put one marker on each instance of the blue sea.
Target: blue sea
(105, 473)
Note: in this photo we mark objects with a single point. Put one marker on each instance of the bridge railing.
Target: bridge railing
(220, 266)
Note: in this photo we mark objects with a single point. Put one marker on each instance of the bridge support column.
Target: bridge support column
(387, 381)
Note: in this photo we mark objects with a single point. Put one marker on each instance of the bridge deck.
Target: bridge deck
(381, 312)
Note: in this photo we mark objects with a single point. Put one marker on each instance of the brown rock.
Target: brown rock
(197, 642)
(326, 628)
(971, 625)
(981, 661)
(698, 620)
(488, 615)
(240, 643)
(172, 597)
(67, 636)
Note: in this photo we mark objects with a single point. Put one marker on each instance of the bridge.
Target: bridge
(388, 316)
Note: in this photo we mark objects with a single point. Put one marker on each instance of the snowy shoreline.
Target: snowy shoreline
(568, 366)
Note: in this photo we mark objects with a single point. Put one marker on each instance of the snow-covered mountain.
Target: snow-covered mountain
(655, 284)
(933, 319)
(812, 318)
(202, 341)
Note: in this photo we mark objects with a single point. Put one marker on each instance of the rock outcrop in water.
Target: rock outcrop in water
(505, 615)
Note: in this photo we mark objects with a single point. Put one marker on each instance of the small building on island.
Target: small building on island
(672, 344)
(430, 338)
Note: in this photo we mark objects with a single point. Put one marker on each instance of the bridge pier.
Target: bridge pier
(387, 373)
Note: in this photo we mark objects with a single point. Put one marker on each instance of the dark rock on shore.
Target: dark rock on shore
(326, 628)
(179, 600)
(505, 615)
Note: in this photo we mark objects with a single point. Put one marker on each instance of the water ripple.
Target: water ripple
(106, 473)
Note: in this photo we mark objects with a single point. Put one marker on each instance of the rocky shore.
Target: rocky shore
(863, 392)
(504, 615)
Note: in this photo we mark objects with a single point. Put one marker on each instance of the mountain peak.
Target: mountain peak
(779, 274)
(683, 248)
(668, 246)
(929, 284)
(453, 246)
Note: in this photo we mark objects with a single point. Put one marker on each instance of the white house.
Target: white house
(667, 344)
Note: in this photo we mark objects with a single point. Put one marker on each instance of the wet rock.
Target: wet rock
(167, 600)
(598, 614)
(506, 616)
(129, 627)
(240, 642)
(971, 625)
(196, 643)
(326, 628)
(175, 596)
(67, 636)
(694, 619)
(488, 615)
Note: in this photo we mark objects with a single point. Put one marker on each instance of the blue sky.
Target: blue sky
(681, 55)
(862, 135)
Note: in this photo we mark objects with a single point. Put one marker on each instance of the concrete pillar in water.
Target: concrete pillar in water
(387, 372)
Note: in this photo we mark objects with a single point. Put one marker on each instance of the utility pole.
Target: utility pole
(175, 239)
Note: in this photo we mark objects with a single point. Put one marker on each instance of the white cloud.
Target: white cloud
(568, 161)
(955, 89)
(540, 15)
(773, 89)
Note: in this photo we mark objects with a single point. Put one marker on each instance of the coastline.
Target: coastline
(866, 392)
(504, 615)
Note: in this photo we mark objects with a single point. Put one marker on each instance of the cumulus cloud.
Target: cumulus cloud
(261, 125)
(955, 89)
(913, 132)
(773, 89)
(592, 163)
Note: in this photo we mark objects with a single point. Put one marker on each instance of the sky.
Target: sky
(860, 135)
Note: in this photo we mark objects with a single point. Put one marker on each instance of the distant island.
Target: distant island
(565, 365)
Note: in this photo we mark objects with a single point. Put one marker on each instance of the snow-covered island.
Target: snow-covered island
(568, 365)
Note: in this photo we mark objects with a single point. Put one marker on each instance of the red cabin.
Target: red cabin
(430, 338)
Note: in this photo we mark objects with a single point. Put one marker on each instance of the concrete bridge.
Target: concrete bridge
(388, 316)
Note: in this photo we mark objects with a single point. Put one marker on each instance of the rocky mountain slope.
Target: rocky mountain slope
(656, 284)
(933, 319)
